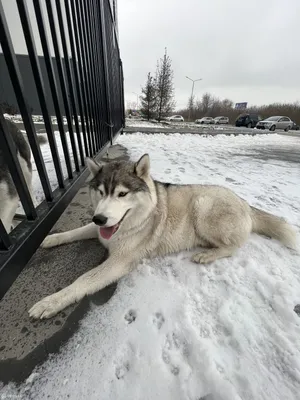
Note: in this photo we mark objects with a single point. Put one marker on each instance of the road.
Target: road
(202, 130)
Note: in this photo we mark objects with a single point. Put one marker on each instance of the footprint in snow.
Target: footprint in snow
(167, 171)
(173, 353)
(158, 320)
(130, 316)
(181, 169)
(121, 370)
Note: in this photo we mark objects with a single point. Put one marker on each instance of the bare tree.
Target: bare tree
(206, 103)
(8, 108)
(149, 98)
(227, 104)
(164, 87)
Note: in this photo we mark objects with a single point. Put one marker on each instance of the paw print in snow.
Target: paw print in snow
(121, 370)
(174, 353)
(158, 320)
(130, 316)
(167, 171)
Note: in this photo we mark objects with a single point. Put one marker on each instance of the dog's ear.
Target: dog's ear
(93, 166)
(142, 167)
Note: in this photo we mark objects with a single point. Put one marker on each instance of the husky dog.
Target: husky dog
(9, 198)
(137, 217)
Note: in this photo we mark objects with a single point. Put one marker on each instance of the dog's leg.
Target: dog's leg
(8, 207)
(34, 200)
(109, 271)
(210, 255)
(224, 225)
(85, 232)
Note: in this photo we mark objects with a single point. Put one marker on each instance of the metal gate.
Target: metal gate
(83, 82)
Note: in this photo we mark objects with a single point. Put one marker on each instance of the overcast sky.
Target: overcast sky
(246, 51)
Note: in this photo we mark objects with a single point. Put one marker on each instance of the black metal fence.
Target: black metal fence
(86, 90)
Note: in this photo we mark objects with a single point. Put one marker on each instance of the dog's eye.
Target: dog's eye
(122, 194)
(101, 192)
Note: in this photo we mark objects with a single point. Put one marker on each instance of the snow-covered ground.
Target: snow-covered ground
(175, 330)
(131, 122)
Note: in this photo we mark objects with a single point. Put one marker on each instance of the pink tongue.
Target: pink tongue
(107, 233)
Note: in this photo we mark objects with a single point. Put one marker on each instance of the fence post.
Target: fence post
(122, 93)
(105, 69)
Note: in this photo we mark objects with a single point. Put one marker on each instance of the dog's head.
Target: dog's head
(121, 193)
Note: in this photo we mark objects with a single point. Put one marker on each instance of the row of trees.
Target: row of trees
(157, 99)
(211, 106)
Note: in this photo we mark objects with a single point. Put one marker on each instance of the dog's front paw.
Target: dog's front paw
(207, 256)
(48, 307)
(51, 241)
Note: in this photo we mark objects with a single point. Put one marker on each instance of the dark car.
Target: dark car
(295, 127)
(248, 120)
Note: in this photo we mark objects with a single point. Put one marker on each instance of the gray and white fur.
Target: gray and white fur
(9, 199)
(137, 217)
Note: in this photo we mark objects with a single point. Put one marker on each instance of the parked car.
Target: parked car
(176, 118)
(221, 120)
(273, 123)
(295, 127)
(248, 120)
(205, 120)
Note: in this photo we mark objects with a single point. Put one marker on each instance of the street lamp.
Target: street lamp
(137, 100)
(193, 80)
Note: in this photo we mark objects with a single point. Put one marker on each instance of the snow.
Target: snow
(144, 124)
(48, 160)
(138, 123)
(175, 330)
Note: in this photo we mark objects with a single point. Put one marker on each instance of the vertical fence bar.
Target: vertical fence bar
(87, 51)
(99, 40)
(94, 64)
(8, 148)
(62, 81)
(122, 93)
(110, 49)
(105, 68)
(16, 80)
(102, 105)
(84, 89)
(25, 20)
(85, 71)
(4, 238)
(105, 131)
(85, 132)
(53, 85)
(69, 78)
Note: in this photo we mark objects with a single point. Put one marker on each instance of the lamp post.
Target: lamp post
(193, 80)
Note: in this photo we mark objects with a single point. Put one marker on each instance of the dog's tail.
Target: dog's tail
(275, 227)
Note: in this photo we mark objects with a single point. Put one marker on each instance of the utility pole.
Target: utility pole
(193, 80)
(137, 100)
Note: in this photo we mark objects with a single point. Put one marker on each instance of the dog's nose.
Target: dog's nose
(99, 219)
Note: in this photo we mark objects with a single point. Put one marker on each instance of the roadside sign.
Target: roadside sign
(241, 106)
